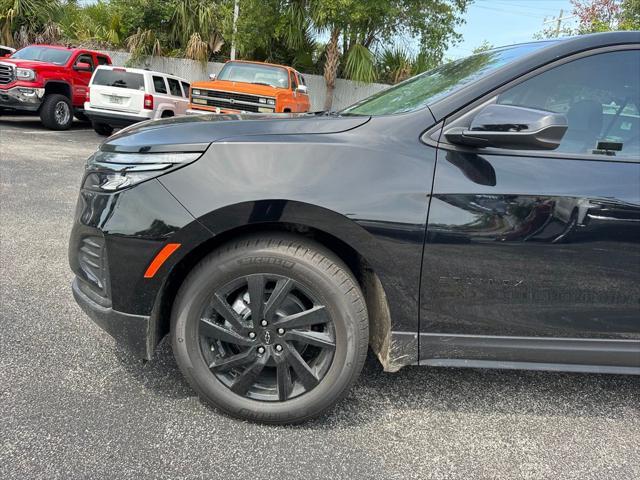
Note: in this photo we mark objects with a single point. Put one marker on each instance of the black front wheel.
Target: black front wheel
(102, 129)
(271, 329)
(56, 112)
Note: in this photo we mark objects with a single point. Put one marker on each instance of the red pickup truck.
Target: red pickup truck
(49, 80)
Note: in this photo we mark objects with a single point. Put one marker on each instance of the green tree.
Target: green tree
(356, 28)
(22, 21)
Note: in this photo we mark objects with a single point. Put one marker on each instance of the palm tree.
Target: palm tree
(195, 25)
(21, 21)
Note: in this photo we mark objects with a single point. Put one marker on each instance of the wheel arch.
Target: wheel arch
(375, 296)
(59, 87)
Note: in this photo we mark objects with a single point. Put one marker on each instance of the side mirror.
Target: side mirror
(212, 76)
(82, 67)
(508, 126)
(303, 89)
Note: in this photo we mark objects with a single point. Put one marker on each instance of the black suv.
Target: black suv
(483, 214)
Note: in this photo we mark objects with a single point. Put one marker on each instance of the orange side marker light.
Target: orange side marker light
(160, 258)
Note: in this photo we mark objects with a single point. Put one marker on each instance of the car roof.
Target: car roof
(550, 51)
(263, 63)
(65, 47)
(142, 71)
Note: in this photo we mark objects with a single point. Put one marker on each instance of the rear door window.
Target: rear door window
(159, 85)
(102, 60)
(174, 87)
(119, 78)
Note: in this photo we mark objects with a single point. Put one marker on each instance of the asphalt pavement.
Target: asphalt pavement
(73, 404)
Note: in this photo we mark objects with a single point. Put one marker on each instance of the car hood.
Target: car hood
(205, 129)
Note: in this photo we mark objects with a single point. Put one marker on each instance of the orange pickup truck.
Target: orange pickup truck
(257, 87)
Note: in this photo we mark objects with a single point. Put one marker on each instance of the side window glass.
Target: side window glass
(301, 79)
(185, 89)
(174, 87)
(600, 96)
(158, 85)
(85, 58)
(103, 60)
(292, 78)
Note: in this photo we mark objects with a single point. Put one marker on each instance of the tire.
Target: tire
(56, 112)
(82, 117)
(102, 129)
(284, 392)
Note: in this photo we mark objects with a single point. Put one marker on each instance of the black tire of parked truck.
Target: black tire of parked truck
(56, 112)
(81, 116)
(102, 129)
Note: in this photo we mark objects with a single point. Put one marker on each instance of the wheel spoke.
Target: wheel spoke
(212, 330)
(256, 297)
(302, 369)
(247, 378)
(224, 364)
(285, 385)
(280, 292)
(318, 339)
(229, 314)
(313, 316)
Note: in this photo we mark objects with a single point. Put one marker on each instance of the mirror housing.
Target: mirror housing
(508, 126)
(212, 76)
(303, 89)
(82, 67)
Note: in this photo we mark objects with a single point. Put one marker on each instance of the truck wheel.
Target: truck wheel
(82, 117)
(102, 129)
(270, 328)
(56, 112)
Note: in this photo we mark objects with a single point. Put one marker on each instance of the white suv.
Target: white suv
(119, 96)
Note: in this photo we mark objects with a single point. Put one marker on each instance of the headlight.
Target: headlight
(112, 171)
(195, 91)
(271, 101)
(25, 74)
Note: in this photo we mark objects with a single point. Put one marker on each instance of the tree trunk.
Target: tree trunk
(331, 67)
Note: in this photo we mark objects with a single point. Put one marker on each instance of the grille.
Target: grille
(241, 97)
(93, 262)
(234, 106)
(7, 74)
(234, 101)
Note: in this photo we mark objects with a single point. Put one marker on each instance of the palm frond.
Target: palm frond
(360, 64)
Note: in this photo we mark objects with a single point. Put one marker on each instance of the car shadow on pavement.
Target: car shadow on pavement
(378, 395)
(32, 122)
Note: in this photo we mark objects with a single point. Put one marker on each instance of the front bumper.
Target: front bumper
(133, 331)
(21, 98)
(114, 239)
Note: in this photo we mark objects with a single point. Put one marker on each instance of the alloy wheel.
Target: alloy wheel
(267, 337)
(62, 113)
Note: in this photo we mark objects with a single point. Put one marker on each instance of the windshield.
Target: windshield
(428, 87)
(252, 73)
(43, 54)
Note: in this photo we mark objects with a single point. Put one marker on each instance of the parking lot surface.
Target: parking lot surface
(73, 404)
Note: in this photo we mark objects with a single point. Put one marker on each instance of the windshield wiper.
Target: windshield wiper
(262, 83)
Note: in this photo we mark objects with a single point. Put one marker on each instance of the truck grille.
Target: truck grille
(7, 73)
(233, 101)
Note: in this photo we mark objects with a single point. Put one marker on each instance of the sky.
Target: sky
(504, 22)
